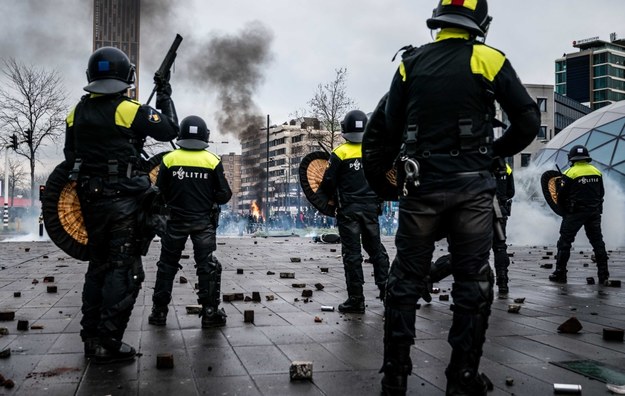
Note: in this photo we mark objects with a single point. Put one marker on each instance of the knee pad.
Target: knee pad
(474, 294)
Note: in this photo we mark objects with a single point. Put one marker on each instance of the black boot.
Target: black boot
(158, 317)
(212, 317)
(397, 367)
(602, 272)
(112, 351)
(559, 275)
(355, 303)
(465, 382)
(502, 282)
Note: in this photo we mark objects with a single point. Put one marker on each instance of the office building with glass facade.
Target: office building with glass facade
(595, 75)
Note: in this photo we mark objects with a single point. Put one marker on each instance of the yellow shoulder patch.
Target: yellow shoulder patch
(126, 112)
(486, 61)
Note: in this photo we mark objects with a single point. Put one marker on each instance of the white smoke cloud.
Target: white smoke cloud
(533, 223)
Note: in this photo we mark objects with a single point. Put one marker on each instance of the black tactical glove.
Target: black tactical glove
(498, 167)
(162, 84)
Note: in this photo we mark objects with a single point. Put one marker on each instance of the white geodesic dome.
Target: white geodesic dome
(603, 134)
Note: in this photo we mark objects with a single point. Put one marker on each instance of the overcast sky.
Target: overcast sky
(302, 43)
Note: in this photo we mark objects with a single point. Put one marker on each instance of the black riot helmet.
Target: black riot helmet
(579, 153)
(471, 15)
(109, 71)
(353, 126)
(193, 133)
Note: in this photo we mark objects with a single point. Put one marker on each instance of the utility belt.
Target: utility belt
(113, 171)
(468, 142)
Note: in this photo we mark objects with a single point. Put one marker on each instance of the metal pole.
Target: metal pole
(267, 170)
(6, 190)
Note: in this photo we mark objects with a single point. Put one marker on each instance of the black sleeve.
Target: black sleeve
(331, 176)
(150, 122)
(521, 109)
(396, 108)
(222, 188)
(163, 178)
(510, 187)
(68, 149)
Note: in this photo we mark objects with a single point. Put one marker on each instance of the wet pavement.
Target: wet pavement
(245, 358)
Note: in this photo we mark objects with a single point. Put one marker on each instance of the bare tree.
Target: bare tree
(17, 178)
(32, 106)
(330, 104)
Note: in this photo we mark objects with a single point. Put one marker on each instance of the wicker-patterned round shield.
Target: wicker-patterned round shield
(62, 215)
(311, 171)
(549, 182)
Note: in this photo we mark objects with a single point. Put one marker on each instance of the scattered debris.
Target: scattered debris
(4, 331)
(307, 293)
(248, 316)
(318, 319)
(287, 275)
(509, 381)
(514, 308)
(546, 266)
(183, 280)
(269, 297)
(239, 271)
(570, 326)
(333, 250)
(8, 384)
(164, 361)
(52, 289)
(443, 297)
(48, 279)
(435, 290)
(17, 294)
(256, 296)
(5, 353)
(324, 269)
(36, 327)
(319, 286)
(298, 285)
(519, 300)
(570, 389)
(301, 370)
(22, 325)
(590, 280)
(327, 308)
(184, 256)
(613, 334)
(35, 281)
(228, 297)
(270, 273)
(295, 259)
(194, 309)
(27, 249)
(613, 283)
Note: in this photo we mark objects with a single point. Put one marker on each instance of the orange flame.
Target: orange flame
(255, 209)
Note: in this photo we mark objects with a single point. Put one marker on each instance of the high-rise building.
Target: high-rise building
(232, 170)
(596, 74)
(288, 144)
(116, 24)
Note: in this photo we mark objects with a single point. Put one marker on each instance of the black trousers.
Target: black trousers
(115, 272)
(358, 226)
(500, 248)
(202, 234)
(570, 226)
(467, 219)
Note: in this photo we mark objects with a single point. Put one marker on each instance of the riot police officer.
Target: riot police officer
(440, 111)
(193, 183)
(580, 200)
(104, 139)
(357, 213)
